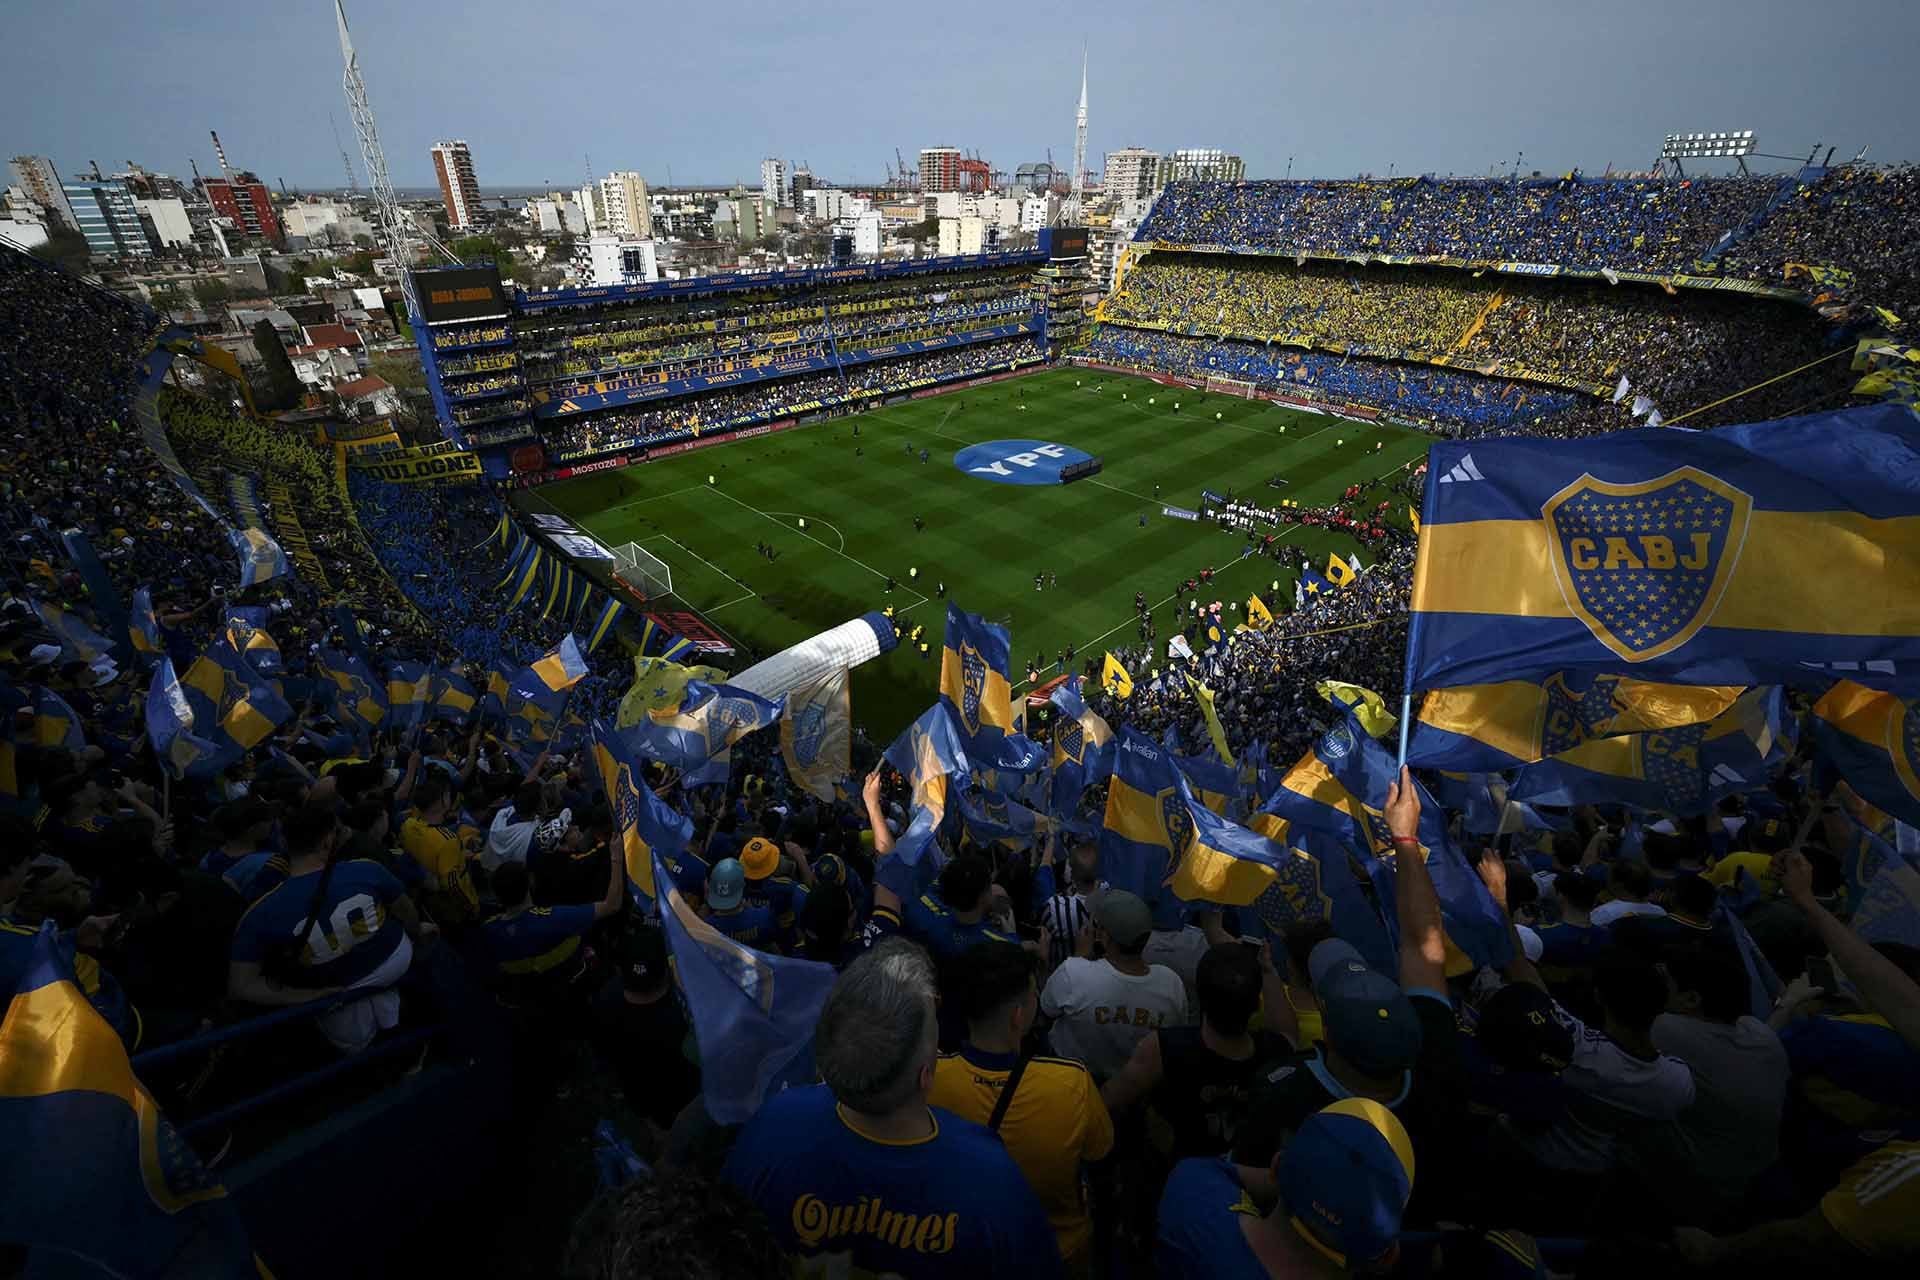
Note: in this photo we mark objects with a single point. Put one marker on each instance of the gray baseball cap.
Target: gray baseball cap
(1124, 916)
(1366, 1015)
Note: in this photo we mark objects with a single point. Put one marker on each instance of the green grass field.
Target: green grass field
(859, 497)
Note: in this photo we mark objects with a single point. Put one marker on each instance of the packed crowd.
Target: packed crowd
(1584, 223)
(570, 439)
(1021, 1071)
(1863, 221)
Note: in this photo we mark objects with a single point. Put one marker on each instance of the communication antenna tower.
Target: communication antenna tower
(1070, 212)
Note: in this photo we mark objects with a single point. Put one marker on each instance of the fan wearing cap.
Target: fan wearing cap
(1395, 1043)
(748, 923)
(641, 1031)
(760, 858)
(1103, 1009)
(1343, 1183)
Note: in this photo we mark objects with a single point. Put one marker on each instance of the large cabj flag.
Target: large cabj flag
(247, 632)
(710, 720)
(1486, 728)
(359, 697)
(1340, 787)
(1683, 771)
(1082, 747)
(232, 709)
(816, 733)
(110, 1189)
(1873, 740)
(973, 676)
(642, 824)
(753, 1012)
(930, 757)
(1751, 555)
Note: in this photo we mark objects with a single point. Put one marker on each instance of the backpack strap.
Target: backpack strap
(1006, 1095)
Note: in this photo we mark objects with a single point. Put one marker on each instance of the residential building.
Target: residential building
(105, 214)
(1106, 243)
(37, 177)
(750, 218)
(773, 183)
(963, 235)
(604, 260)
(1132, 175)
(245, 273)
(324, 222)
(1001, 211)
(803, 182)
(1039, 211)
(20, 230)
(248, 203)
(368, 397)
(167, 222)
(1200, 164)
(866, 235)
(453, 169)
(618, 205)
(939, 169)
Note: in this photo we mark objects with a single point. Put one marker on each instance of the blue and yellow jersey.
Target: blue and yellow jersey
(1200, 1233)
(255, 874)
(928, 921)
(1876, 1207)
(950, 1206)
(1856, 1070)
(353, 934)
(537, 940)
(1056, 1123)
(101, 989)
(439, 850)
(750, 926)
(782, 897)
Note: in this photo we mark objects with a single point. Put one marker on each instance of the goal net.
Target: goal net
(642, 570)
(1230, 387)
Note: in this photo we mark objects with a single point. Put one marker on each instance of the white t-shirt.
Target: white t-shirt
(508, 839)
(1608, 912)
(1615, 1098)
(1101, 1015)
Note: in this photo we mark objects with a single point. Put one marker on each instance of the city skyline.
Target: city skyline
(1333, 92)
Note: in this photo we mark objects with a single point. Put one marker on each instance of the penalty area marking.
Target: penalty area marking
(840, 551)
(651, 497)
(751, 593)
(842, 548)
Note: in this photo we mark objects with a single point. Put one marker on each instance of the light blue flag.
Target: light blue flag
(1890, 908)
(753, 1012)
(143, 626)
(261, 559)
(990, 817)
(712, 717)
(170, 723)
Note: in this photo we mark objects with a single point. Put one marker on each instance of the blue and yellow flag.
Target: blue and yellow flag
(1340, 787)
(558, 670)
(1306, 875)
(816, 733)
(409, 691)
(233, 707)
(1683, 771)
(604, 622)
(1338, 571)
(1214, 783)
(1486, 728)
(1889, 911)
(929, 755)
(671, 646)
(359, 697)
(113, 1184)
(1873, 740)
(143, 626)
(516, 564)
(78, 641)
(1259, 617)
(451, 697)
(170, 724)
(1148, 826)
(499, 690)
(753, 1012)
(711, 718)
(560, 582)
(991, 817)
(643, 825)
(1082, 748)
(261, 559)
(247, 632)
(1368, 707)
(1313, 586)
(577, 600)
(1215, 734)
(1745, 556)
(659, 687)
(55, 724)
(524, 575)
(973, 676)
(1115, 678)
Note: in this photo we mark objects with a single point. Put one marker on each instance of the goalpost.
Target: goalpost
(1230, 387)
(642, 570)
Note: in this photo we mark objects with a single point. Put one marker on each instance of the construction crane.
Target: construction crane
(909, 178)
(346, 162)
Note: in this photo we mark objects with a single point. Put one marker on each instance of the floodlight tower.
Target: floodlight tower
(397, 227)
(1070, 214)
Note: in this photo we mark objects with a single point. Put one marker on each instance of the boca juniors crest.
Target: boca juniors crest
(1573, 715)
(1294, 894)
(973, 687)
(1177, 819)
(809, 727)
(1070, 739)
(1903, 744)
(1644, 565)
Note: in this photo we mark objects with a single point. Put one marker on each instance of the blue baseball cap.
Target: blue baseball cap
(829, 869)
(1366, 1015)
(726, 884)
(1345, 1178)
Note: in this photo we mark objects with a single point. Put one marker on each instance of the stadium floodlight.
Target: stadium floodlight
(1725, 144)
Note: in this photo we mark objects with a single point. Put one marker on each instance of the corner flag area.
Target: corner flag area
(859, 496)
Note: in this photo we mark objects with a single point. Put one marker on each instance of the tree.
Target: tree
(167, 297)
(400, 368)
(283, 386)
(65, 248)
(211, 292)
(926, 229)
(562, 248)
(361, 263)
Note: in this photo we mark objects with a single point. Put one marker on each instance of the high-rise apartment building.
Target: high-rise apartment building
(774, 188)
(940, 169)
(1202, 164)
(453, 167)
(1132, 173)
(622, 206)
(247, 201)
(104, 212)
(36, 176)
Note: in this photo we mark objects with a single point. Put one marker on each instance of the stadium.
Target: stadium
(542, 802)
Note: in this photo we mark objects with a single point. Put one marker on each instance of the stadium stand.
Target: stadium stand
(1604, 1092)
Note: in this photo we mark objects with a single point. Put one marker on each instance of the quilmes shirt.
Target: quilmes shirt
(950, 1206)
(1101, 1014)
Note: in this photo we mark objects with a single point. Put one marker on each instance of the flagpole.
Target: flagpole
(1406, 718)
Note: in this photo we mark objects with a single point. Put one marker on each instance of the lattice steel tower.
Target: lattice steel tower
(1070, 213)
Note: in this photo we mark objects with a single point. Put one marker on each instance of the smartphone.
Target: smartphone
(1820, 973)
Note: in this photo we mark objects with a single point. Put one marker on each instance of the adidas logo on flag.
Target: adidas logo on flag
(1462, 471)
(1727, 776)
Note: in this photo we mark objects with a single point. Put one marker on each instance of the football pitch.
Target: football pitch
(859, 496)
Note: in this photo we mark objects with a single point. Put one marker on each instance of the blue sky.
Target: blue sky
(702, 91)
